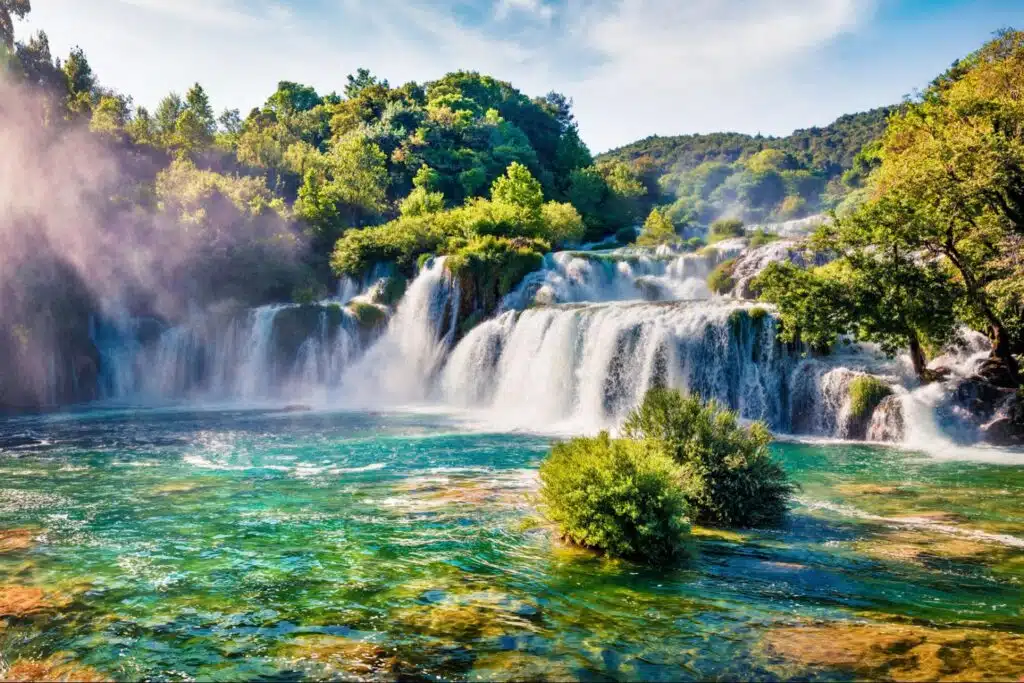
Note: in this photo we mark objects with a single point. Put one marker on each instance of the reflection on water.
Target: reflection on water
(235, 545)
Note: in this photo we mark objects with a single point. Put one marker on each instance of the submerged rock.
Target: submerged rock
(347, 656)
(55, 668)
(17, 539)
(900, 652)
(26, 601)
(520, 666)
(928, 549)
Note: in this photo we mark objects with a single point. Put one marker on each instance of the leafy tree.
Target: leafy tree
(348, 189)
(141, 128)
(518, 187)
(420, 202)
(81, 82)
(658, 230)
(191, 132)
(166, 115)
(941, 227)
(9, 11)
(361, 80)
(198, 102)
(38, 67)
(111, 115)
(291, 98)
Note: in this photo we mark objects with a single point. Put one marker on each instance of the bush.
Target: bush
(725, 228)
(759, 238)
(490, 267)
(367, 315)
(620, 497)
(721, 281)
(866, 392)
(695, 243)
(729, 476)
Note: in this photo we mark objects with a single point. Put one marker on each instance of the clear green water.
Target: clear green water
(242, 545)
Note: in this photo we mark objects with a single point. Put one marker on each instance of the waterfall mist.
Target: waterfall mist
(81, 233)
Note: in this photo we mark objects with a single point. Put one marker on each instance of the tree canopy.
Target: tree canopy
(937, 240)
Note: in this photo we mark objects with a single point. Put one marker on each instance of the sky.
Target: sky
(633, 68)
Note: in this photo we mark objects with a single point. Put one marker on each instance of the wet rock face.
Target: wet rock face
(1007, 429)
(752, 263)
(887, 424)
(996, 412)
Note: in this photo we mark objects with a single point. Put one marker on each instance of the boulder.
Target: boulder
(887, 423)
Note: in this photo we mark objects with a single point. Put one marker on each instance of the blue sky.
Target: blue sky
(633, 67)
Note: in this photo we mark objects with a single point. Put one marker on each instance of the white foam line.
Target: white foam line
(915, 522)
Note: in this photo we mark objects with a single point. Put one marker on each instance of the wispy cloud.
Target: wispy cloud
(532, 8)
(220, 13)
(633, 66)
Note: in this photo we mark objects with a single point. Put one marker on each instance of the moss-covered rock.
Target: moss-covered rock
(866, 394)
(721, 280)
(56, 668)
(369, 316)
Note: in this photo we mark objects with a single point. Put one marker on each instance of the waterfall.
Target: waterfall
(575, 347)
(621, 275)
(401, 365)
(278, 351)
(587, 366)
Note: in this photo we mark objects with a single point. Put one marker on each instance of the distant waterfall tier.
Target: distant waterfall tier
(620, 275)
(267, 352)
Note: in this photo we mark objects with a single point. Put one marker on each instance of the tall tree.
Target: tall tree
(81, 81)
(198, 102)
(361, 80)
(9, 11)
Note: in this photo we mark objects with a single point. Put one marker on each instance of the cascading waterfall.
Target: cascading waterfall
(402, 364)
(586, 366)
(275, 351)
(622, 275)
(574, 347)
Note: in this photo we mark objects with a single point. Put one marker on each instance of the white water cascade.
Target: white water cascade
(279, 351)
(586, 366)
(621, 275)
(402, 364)
(572, 349)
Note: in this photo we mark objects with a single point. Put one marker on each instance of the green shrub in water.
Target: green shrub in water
(728, 474)
(759, 238)
(721, 281)
(618, 496)
(367, 315)
(866, 392)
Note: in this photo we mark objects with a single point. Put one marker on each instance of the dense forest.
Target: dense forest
(758, 178)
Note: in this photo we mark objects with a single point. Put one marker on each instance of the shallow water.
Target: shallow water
(223, 545)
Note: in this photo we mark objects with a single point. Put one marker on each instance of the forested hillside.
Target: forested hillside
(758, 178)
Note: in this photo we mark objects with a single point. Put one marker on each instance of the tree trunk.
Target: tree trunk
(1001, 349)
(919, 361)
